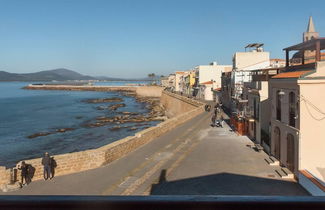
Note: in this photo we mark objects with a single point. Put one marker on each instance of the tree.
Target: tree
(151, 76)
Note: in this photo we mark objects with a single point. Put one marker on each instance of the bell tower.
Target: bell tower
(310, 33)
(309, 55)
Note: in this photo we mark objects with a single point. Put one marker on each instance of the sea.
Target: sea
(26, 112)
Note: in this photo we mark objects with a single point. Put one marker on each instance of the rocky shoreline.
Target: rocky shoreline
(155, 113)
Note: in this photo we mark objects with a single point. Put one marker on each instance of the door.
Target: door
(291, 152)
(277, 141)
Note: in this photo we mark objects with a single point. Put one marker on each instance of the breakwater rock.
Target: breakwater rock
(103, 100)
(60, 130)
(116, 106)
(156, 113)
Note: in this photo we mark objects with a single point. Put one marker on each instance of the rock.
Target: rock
(116, 106)
(39, 134)
(115, 128)
(101, 108)
(92, 125)
(62, 130)
(103, 100)
(128, 113)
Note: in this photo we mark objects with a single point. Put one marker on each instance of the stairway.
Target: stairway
(272, 161)
(285, 173)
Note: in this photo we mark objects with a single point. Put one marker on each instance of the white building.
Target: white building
(243, 64)
(178, 81)
(210, 73)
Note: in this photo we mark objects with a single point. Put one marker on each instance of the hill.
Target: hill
(49, 75)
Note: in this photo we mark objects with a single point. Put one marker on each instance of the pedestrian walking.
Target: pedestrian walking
(206, 107)
(46, 162)
(213, 119)
(53, 166)
(24, 173)
(221, 121)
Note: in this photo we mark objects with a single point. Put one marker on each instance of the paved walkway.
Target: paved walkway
(193, 159)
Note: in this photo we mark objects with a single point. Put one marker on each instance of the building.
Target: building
(243, 63)
(298, 115)
(277, 63)
(205, 91)
(171, 82)
(206, 74)
(164, 81)
(226, 91)
(257, 104)
(189, 83)
(178, 81)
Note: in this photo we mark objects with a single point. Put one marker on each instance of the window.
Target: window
(278, 105)
(292, 109)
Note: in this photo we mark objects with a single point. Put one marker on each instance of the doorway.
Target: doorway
(277, 142)
(291, 152)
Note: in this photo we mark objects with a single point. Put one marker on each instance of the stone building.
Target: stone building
(298, 115)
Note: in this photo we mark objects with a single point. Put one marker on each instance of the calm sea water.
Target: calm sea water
(25, 112)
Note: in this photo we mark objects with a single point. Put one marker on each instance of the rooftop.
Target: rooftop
(207, 83)
(293, 74)
(308, 45)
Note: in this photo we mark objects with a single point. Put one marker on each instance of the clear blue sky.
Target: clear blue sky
(131, 38)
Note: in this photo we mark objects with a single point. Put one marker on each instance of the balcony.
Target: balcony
(308, 66)
(248, 112)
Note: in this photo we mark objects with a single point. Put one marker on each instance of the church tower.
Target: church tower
(310, 33)
(309, 55)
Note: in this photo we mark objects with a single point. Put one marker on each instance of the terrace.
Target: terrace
(305, 63)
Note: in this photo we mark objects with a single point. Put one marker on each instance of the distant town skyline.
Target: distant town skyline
(130, 39)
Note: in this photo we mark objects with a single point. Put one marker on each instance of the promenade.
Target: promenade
(192, 159)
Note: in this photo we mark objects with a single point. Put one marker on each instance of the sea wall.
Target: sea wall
(149, 91)
(176, 105)
(80, 161)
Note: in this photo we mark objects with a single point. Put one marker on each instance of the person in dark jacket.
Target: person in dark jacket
(24, 173)
(46, 162)
(53, 166)
(213, 120)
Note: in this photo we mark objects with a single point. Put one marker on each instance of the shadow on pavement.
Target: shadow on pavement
(226, 184)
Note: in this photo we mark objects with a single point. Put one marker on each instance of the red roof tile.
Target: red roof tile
(207, 83)
(294, 74)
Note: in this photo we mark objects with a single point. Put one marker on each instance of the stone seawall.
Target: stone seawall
(142, 91)
(176, 105)
(80, 161)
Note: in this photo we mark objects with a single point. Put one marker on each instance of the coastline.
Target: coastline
(84, 160)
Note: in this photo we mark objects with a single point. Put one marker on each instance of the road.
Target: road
(192, 159)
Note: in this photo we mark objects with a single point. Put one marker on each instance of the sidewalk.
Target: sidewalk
(193, 159)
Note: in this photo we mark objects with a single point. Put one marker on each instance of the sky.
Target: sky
(132, 38)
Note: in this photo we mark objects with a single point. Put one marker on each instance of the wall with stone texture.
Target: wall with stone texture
(4, 175)
(176, 105)
(149, 91)
(80, 161)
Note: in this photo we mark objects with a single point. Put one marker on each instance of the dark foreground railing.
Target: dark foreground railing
(161, 202)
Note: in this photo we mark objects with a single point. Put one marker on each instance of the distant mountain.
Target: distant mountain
(109, 78)
(49, 75)
(62, 75)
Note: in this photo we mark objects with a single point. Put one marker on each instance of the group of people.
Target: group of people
(217, 116)
(49, 165)
(27, 170)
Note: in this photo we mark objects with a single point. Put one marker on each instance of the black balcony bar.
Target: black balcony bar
(162, 202)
